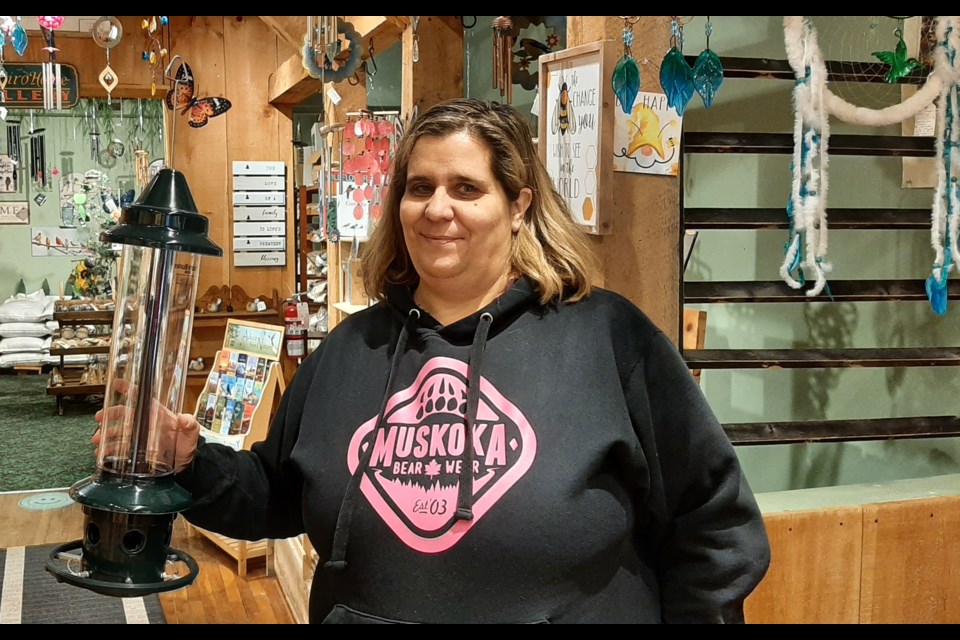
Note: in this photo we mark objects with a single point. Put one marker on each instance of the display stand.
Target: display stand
(73, 384)
(235, 405)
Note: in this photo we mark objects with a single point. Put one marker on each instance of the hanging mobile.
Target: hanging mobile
(52, 96)
(707, 71)
(626, 75)
(415, 23)
(106, 32)
(155, 53)
(503, 56)
(676, 77)
(899, 61)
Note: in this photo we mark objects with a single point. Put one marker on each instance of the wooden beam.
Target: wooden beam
(290, 84)
(290, 29)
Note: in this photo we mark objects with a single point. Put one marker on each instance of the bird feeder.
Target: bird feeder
(131, 501)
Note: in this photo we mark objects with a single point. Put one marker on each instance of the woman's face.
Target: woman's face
(457, 219)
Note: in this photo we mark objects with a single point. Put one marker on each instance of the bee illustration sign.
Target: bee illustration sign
(576, 129)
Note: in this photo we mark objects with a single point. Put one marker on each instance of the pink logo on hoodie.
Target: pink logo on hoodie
(413, 476)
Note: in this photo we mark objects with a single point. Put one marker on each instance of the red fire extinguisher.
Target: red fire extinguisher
(295, 332)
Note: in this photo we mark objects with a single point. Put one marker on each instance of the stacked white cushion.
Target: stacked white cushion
(24, 330)
(8, 360)
(26, 324)
(24, 310)
(17, 345)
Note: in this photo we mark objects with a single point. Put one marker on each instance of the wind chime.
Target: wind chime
(38, 155)
(13, 140)
(141, 161)
(503, 56)
(12, 30)
(52, 96)
(323, 40)
(107, 32)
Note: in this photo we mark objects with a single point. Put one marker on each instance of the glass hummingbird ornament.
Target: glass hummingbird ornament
(900, 63)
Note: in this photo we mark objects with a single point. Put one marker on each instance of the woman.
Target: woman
(495, 440)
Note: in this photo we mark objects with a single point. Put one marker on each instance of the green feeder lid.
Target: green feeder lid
(164, 217)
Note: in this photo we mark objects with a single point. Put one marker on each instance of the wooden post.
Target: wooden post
(640, 258)
(439, 73)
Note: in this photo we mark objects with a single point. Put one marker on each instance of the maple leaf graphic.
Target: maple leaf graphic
(432, 469)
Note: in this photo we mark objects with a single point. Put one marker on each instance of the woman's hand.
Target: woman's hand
(173, 440)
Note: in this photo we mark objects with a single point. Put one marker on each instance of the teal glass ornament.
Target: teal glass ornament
(626, 82)
(707, 76)
(676, 78)
(19, 39)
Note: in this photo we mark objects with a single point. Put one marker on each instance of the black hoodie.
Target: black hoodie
(603, 487)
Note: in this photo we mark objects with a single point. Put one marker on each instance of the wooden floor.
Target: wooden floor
(218, 595)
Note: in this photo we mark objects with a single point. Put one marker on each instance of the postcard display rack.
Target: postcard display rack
(234, 407)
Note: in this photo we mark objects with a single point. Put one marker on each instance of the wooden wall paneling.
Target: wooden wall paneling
(256, 131)
(202, 154)
(911, 562)
(80, 51)
(439, 73)
(814, 575)
(640, 257)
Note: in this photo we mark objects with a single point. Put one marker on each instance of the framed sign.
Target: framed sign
(576, 129)
(254, 338)
(14, 213)
(24, 85)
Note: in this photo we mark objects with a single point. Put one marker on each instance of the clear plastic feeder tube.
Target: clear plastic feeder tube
(156, 293)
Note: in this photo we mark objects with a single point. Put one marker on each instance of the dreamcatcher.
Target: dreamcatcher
(807, 243)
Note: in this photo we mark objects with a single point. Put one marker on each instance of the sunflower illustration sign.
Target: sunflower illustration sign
(648, 139)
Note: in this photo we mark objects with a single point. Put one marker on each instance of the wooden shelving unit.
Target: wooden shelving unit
(71, 377)
(850, 291)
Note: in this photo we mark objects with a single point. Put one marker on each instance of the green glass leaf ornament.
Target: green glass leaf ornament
(707, 76)
(626, 82)
(676, 78)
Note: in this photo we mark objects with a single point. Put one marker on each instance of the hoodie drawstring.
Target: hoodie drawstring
(341, 535)
(465, 495)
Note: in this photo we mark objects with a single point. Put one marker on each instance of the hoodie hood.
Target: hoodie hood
(520, 297)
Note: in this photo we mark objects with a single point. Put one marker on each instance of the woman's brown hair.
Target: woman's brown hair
(549, 248)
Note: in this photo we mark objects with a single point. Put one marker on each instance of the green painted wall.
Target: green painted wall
(68, 149)
(748, 180)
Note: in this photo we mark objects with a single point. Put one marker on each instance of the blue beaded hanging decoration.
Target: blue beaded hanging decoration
(946, 206)
(707, 71)
(676, 76)
(626, 75)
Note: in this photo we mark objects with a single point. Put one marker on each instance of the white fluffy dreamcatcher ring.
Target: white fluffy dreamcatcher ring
(814, 103)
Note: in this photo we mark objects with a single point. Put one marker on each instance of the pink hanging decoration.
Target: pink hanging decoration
(50, 22)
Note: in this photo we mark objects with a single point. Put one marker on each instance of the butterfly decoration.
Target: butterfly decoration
(182, 97)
